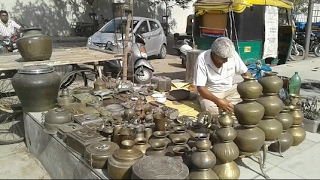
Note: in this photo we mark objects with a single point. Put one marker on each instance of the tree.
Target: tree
(170, 3)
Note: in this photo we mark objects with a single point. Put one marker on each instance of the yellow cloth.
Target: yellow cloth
(187, 108)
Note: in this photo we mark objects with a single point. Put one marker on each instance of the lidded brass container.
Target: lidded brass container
(54, 118)
(65, 98)
(120, 163)
(97, 154)
(159, 168)
(225, 149)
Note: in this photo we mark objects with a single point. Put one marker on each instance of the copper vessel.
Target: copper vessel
(159, 168)
(286, 141)
(249, 140)
(272, 105)
(271, 127)
(271, 83)
(249, 88)
(297, 115)
(298, 133)
(249, 113)
(285, 119)
(120, 163)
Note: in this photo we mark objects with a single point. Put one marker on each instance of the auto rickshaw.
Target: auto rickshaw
(260, 30)
(180, 37)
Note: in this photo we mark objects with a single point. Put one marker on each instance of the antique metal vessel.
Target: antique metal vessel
(97, 154)
(272, 105)
(298, 133)
(157, 149)
(37, 87)
(286, 141)
(285, 119)
(249, 140)
(64, 129)
(179, 131)
(249, 113)
(160, 121)
(271, 83)
(65, 98)
(159, 168)
(249, 89)
(271, 127)
(99, 84)
(297, 115)
(120, 163)
(142, 144)
(229, 170)
(54, 118)
(34, 46)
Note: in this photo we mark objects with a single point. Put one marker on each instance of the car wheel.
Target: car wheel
(163, 52)
(142, 75)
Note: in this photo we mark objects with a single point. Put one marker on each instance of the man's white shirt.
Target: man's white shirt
(217, 80)
(10, 29)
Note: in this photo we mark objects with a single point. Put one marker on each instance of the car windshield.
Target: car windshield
(117, 26)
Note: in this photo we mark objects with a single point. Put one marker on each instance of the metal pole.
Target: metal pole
(308, 28)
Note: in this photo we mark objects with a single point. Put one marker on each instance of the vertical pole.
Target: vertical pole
(309, 26)
(126, 42)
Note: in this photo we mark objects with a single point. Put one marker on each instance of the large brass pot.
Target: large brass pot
(271, 127)
(271, 83)
(226, 152)
(285, 119)
(249, 113)
(249, 140)
(286, 141)
(272, 105)
(34, 46)
(228, 170)
(120, 163)
(297, 115)
(249, 88)
(298, 133)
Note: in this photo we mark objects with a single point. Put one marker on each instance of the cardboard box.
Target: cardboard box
(211, 20)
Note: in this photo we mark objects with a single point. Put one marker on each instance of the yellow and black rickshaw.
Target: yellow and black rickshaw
(260, 29)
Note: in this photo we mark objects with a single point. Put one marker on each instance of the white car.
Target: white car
(150, 29)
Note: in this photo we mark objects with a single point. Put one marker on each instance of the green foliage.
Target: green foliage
(301, 6)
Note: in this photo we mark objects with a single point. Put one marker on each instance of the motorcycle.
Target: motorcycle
(138, 65)
(8, 44)
(297, 52)
(314, 42)
(187, 46)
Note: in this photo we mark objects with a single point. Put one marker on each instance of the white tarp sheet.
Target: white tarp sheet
(271, 32)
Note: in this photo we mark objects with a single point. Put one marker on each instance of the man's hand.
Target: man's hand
(225, 105)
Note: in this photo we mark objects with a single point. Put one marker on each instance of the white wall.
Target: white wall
(56, 16)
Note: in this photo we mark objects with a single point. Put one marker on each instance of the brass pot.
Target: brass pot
(228, 170)
(285, 119)
(295, 100)
(249, 113)
(160, 121)
(97, 154)
(157, 149)
(225, 120)
(203, 174)
(203, 157)
(159, 136)
(297, 115)
(226, 152)
(271, 127)
(34, 46)
(126, 134)
(226, 134)
(286, 141)
(249, 140)
(298, 133)
(54, 118)
(65, 98)
(120, 163)
(179, 131)
(272, 105)
(141, 144)
(99, 84)
(271, 83)
(249, 88)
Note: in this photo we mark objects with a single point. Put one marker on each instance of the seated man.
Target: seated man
(213, 76)
(7, 27)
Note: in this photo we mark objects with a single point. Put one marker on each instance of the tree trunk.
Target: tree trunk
(126, 42)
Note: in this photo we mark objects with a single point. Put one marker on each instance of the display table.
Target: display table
(59, 161)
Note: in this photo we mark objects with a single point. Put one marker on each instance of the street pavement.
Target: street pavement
(300, 162)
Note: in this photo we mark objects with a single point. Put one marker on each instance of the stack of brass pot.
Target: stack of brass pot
(249, 113)
(272, 104)
(120, 163)
(226, 150)
(203, 159)
(298, 133)
(286, 139)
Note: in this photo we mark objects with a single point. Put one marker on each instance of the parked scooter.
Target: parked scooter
(138, 65)
(314, 42)
(187, 46)
(8, 44)
(297, 52)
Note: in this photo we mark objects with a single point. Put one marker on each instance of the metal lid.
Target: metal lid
(36, 69)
